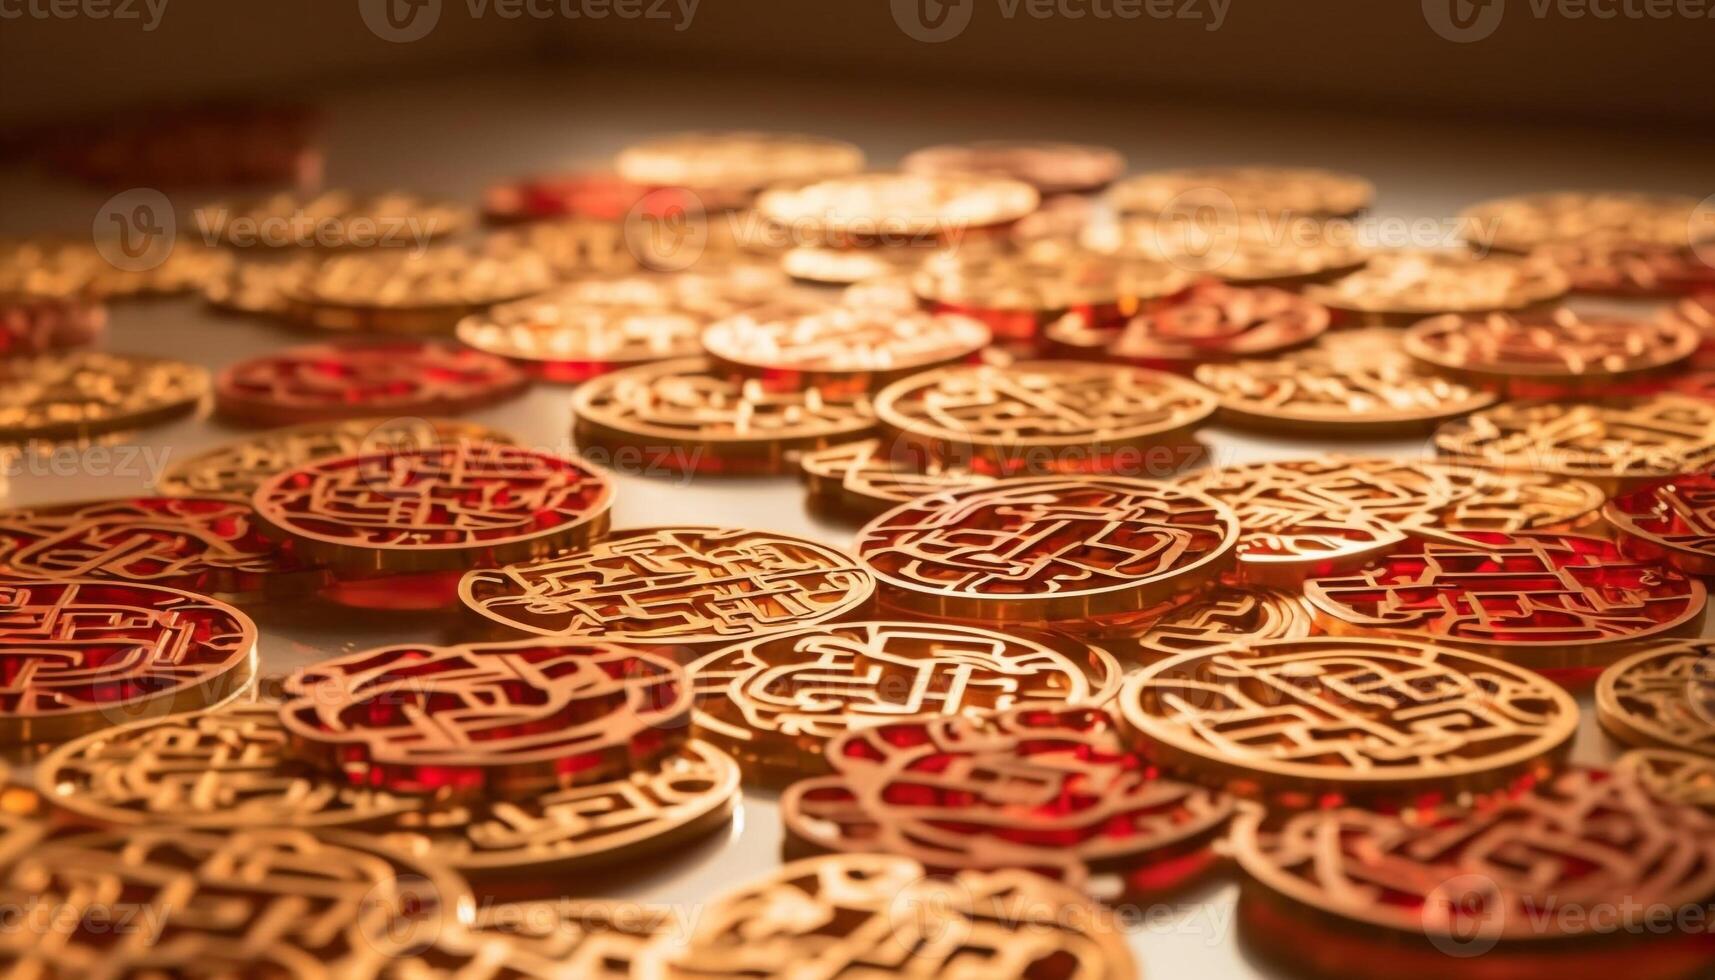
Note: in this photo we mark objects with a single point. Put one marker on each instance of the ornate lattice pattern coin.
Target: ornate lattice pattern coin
(1662, 697)
(568, 939)
(859, 480)
(1526, 221)
(1673, 521)
(894, 209)
(1408, 285)
(78, 394)
(1551, 355)
(1614, 444)
(839, 348)
(1234, 616)
(1673, 777)
(674, 585)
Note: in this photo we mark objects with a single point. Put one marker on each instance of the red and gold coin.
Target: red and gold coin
(1048, 550)
(1377, 718)
(1551, 355)
(678, 586)
(775, 701)
(335, 219)
(503, 719)
(1491, 883)
(579, 194)
(566, 939)
(32, 325)
(1357, 384)
(199, 544)
(735, 161)
(1233, 616)
(893, 209)
(859, 480)
(1048, 788)
(1247, 191)
(605, 323)
(1404, 286)
(1018, 294)
(1525, 221)
(420, 292)
(399, 526)
(1617, 445)
(83, 655)
(1243, 249)
(1551, 601)
(1671, 521)
(1045, 417)
(1051, 168)
(1623, 268)
(685, 417)
(1672, 777)
(78, 394)
(249, 903)
(1212, 323)
(234, 470)
(835, 348)
(851, 914)
(1662, 697)
(354, 379)
(1301, 517)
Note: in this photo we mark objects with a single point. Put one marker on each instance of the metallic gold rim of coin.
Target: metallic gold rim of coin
(1400, 287)
(1060, 606)
(254, 391)
(20, 725)
(1637, 514)
(1522, 222)
(604, 416)
(796, 747)
(829, 346)
(173, 388)
(735, 159)
(1529, 646)
(894, 208)
(836, 910)
(1261, 189)
(1474, 349)
(352, 555)
(1579, 440)
(1050, 167)
(1670, 671)
(332, 220)
(211, 560)
(1319, 877)
(1683, 778)
(479, 589)
(1190, 745)
(190, 477)
(1206, 622)
(858, 481)
(1384, 393)
(908, 418)
(219, 918)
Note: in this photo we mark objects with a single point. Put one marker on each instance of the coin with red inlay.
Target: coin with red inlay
(200, 544)
(597, 195)
(32, 325)
(81, 655)
(1213, 322)
(1018, 294)
(1552, 355)
(321, 382)
(399, 526)
(1546, 600)
(487, 719)
(1672, 521)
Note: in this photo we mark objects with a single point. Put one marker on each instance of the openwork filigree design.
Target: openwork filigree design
(1616, 442)
(1350, 716)
(1532, 594)
(685, 585)
(503, 718)
(1050, 789)
(1233, 616)
(323, 382)
(862, 481)
(1673, 521)
(81, 655)
(1546, 355)
(252, 903)
(1672, 777)
(1663, 696)
(560, 940)
(858, 914)
(774, 702)
(1406, 284)
(1048, 549)
(1584, 839)
(85, 393)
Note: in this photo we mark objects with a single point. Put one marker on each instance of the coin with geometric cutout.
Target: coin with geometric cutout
(74, 395)
(567, 939)
(1673, 777)
(1404, 286)
(1552, 354)
(1671, 521)
(1662, 697)
(858, 481)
